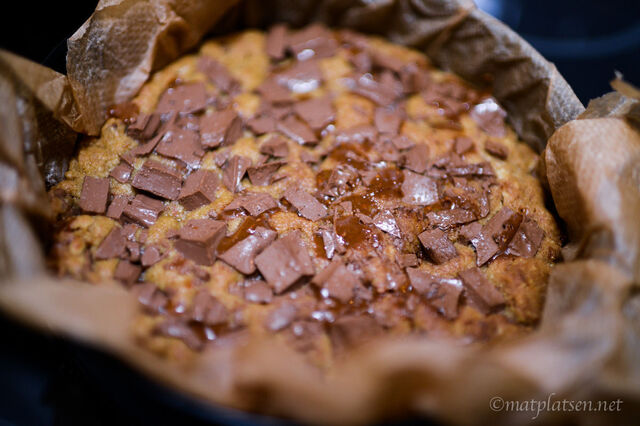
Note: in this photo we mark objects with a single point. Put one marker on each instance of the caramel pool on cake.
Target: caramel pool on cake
(320, 186)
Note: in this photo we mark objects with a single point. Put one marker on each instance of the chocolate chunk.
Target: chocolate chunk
(337, 281)
(364, 219)
(307, 206)
(184, 98)
(199, 189)
(387, 222)
(262, 175)
(387, 121)
(314, 41)
(262, 124)
(490, 117)
(417, 158)
(142, 149)
(117, 206)
(179, 329)
(441, 293)
(143, 210)
(254, 203)
(317, 112)
(234, 172)
(95, 191)
(438, 246)
(352, 330)
(218, 74)
(462, 144)
(258, 292)
(527, 240)
(199, 238)
(221, 157)
(468, 232)
(242, 254)
(281, 316)
(275, 43)
(127, 273)
(296, 130)
(112, 246)
(445, 219)
(383, 92)
(284, 262)
(158, 179)
(415, 79)
(152, 254)
(301, 77)
(329, 242)
(133, 251)
(121, 172)
(145, 126)
(357, 134)
(150, 297)
(482, 293)
(483, 169)
(309, 157)
(343, 178)
(207, 309)
(406, 260)
(181, 144)
(496, 234)
(419, 190)
(220, 128)
(275, 146)
(402, 142)
(274, 93)
(129, 231)
(496, 149)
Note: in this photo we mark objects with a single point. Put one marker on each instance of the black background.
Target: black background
(42, 381)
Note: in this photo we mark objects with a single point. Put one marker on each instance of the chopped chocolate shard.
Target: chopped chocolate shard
(262, 175)
(406, 260)
(317, 112)
(417, 158)
(207, 309)
(496, 149)
(152, 254)
(309, 157)
(218, 74)
(330, 242)
(383, 92)
(387, 121)
(256, 203)
(462, 144)
(479, 169)
(179, 329)
(314, 41)
(234, 172)
(343, 178)
(490, 117)
(402, 142)
(357, 134)
(441, 293)
(353, 330)
(307, 206)
(181, 144)
(242, 254)
(275, 146)
(262, 124)
(133, 251)
(415, 79)
(281, 316)
(468, 232)
(296, 130)
(145, 126)
(419, 190)
(438, 246)
(158, 179)
(220, 128)
(362, 62)
(141, 150)
(273, 93)
(112, 246)
(199, 189)
(445, 219)
(121, 172)
(150, 297)
(387, 223)
(482, 293)
(127, 273)
(258, 292)
(117, 206)
(496, 235)
(527, 240)
(199, 238)
(143, 210)
(337, 281)
(184, 98)
(221, 157)
(364, 219)
(275, 45)
(284, 262)
(301, 77)
(95, 191)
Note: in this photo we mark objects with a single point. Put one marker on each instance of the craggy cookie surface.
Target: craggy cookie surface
(324, 187)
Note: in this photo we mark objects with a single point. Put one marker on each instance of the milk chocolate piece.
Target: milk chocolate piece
(406, 260)
(445, 219)
(496, 149)
(357, 134)
(527, 240)
(307, 206)
(127, 273)
(353, 330)
(199, 238)
(490, 117)
(184, 98)
(218, 74)
(482, 169)
(145, 126)
(281, 316)
(314, 41)
(150, 297)
(387, 223)
(142, 149)
(317, 112)
(462, 144)
(495, 235)
(254, 203)
(441, 293)
(258, 292)
(438, 246)
(112, 246)
(296, 130)
(274, 93)
(387, 121)
(275, 146)
(284, 262)
(383, 92)
(181, 144)
(262, 175)
(117, 206)
(199, 189)
(419, 190)
(275, 43)
(301, 77)
(152, 254)
(468, 232)
(179, 329)
(220, 128)
(482, 293)
(132, 251)
(158, 179)
(402, 142)
(234, 172)
(417, 158)
(337, 281)
(242, 254)
(121, 172)
(143, 210)
(95, 191)
(207, 309)
(309, 157)
(262, 124)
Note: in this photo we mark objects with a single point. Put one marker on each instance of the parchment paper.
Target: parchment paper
(588, 344)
